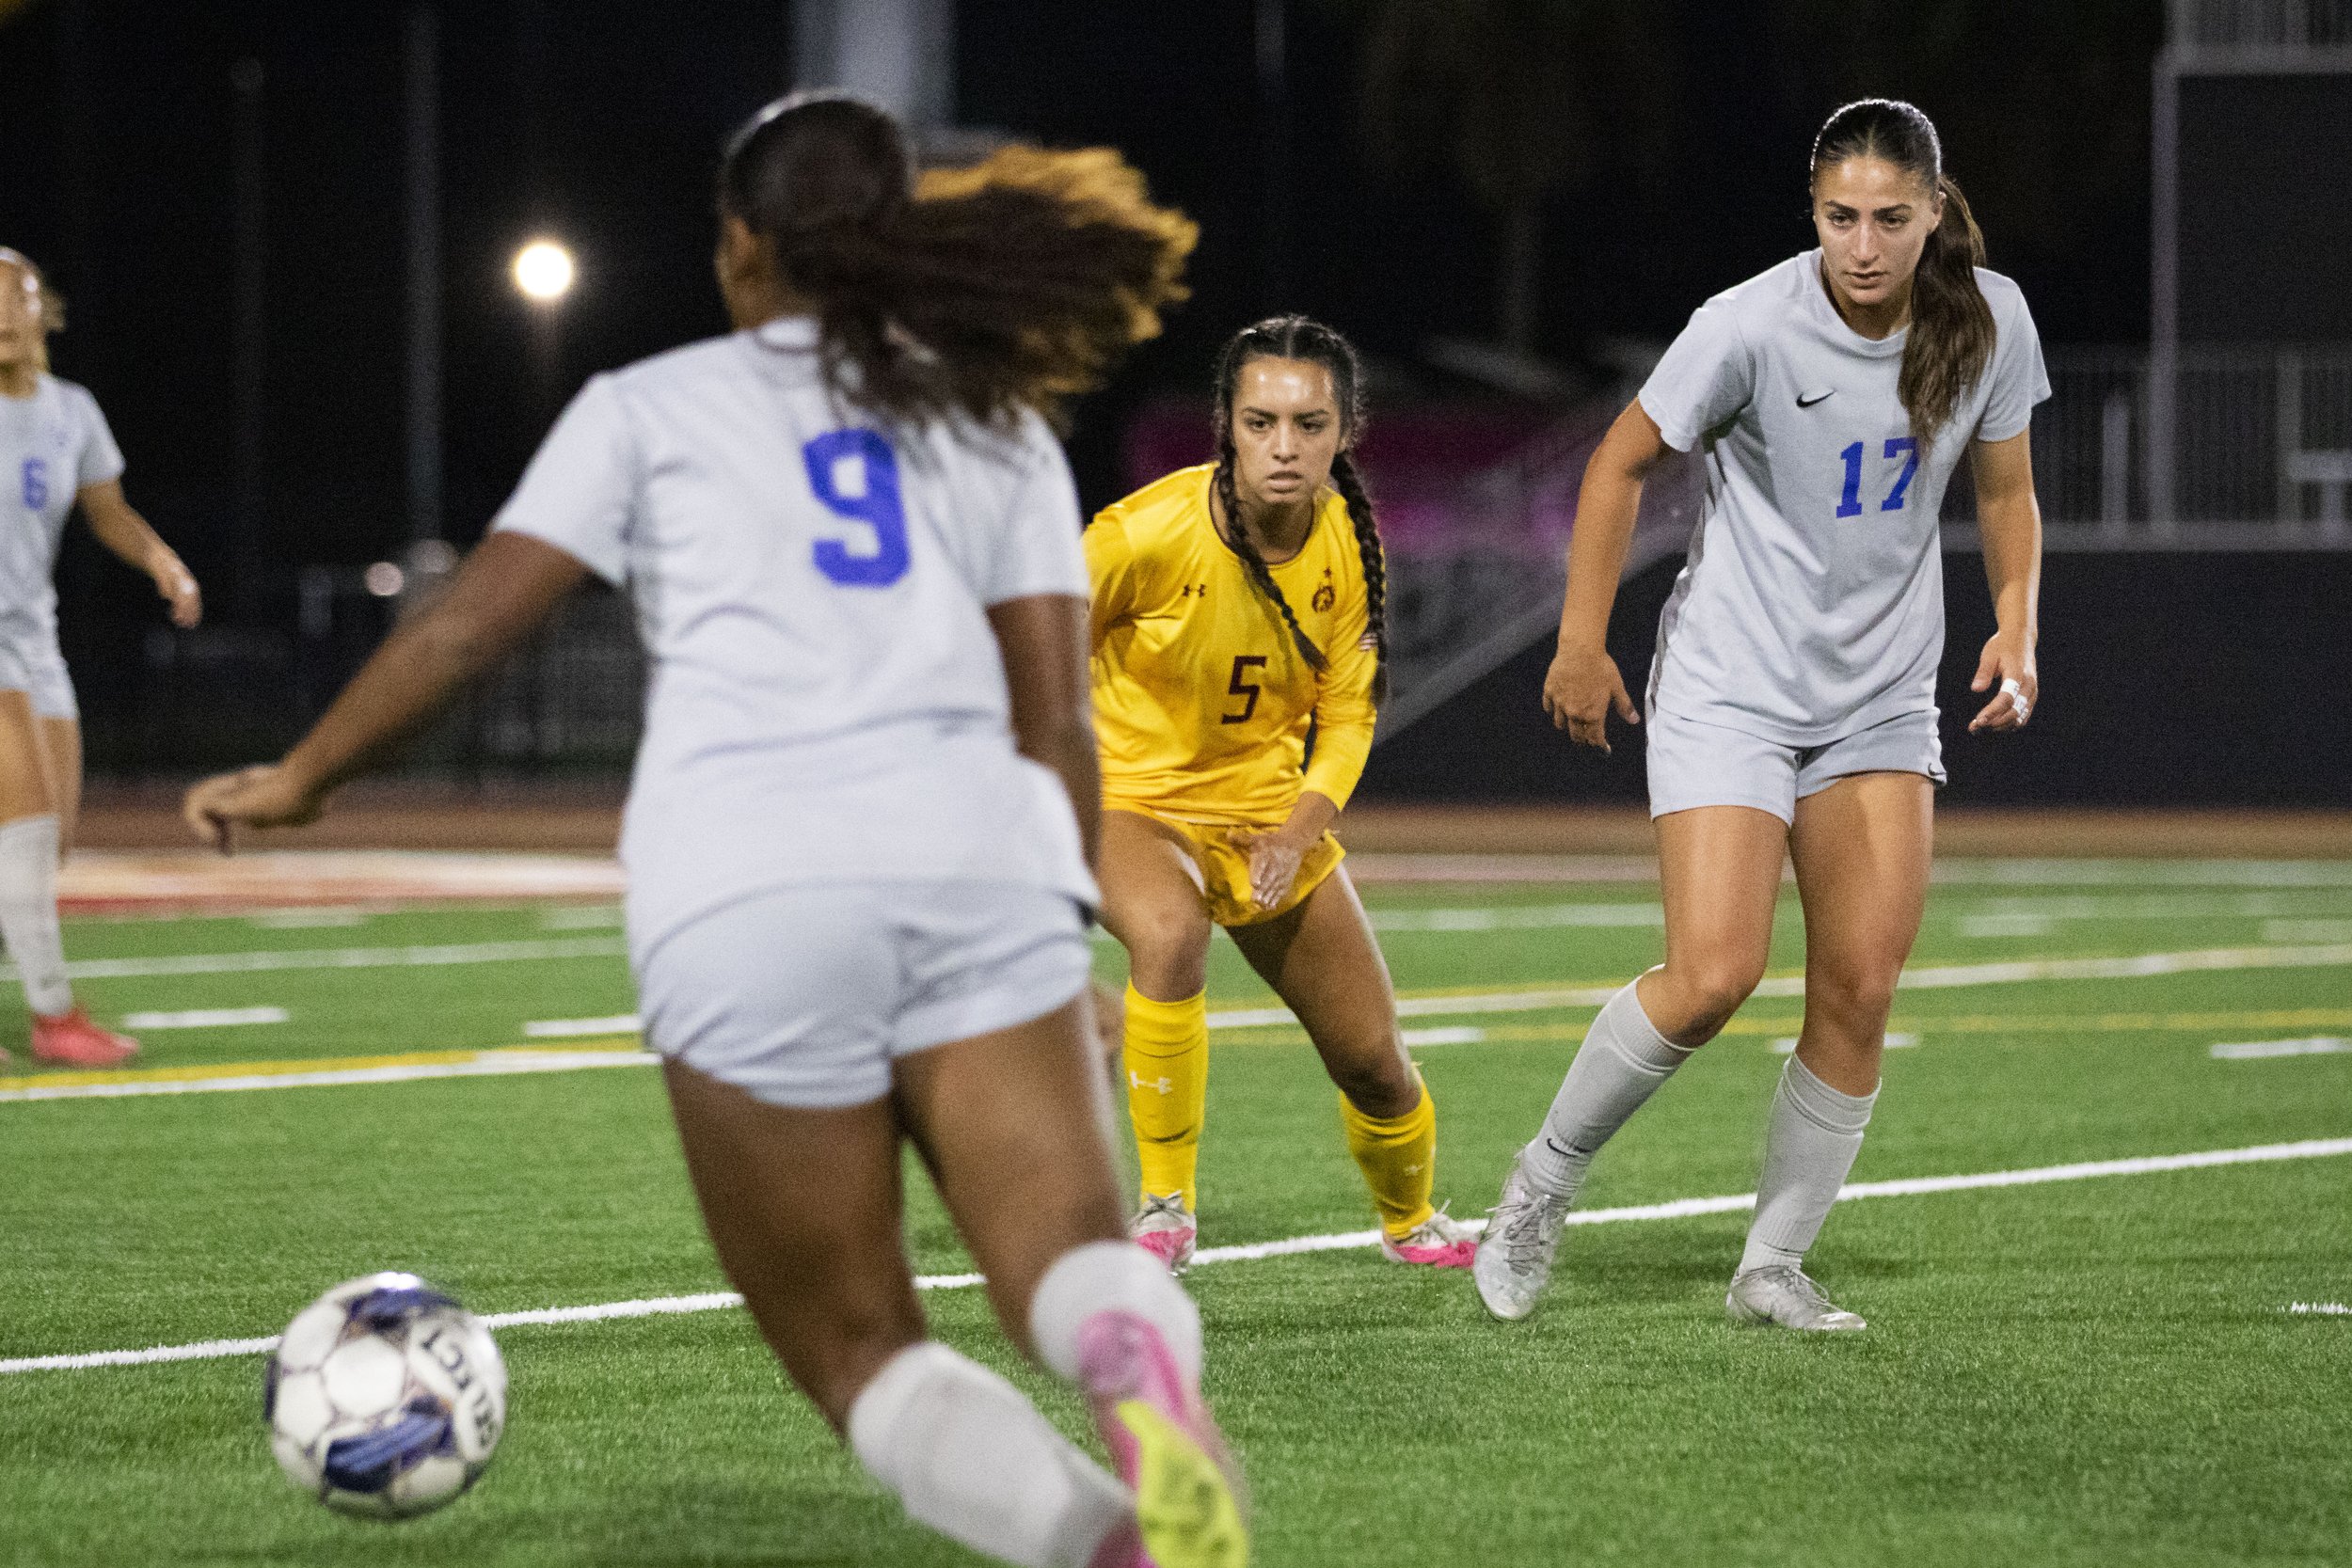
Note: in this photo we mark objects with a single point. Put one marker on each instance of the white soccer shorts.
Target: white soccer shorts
(1692, 764)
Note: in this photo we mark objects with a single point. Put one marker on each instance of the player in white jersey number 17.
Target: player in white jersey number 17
(55, 455)
(865, 807)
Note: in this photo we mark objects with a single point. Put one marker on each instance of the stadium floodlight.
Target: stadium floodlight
(544, 271)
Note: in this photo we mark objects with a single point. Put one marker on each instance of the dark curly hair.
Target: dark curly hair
(1015, 283)
(1299, 338)
(1952, 325)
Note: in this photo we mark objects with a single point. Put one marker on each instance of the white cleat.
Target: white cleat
(1165, 1230)
(1784, 1295)
(1514, 1261)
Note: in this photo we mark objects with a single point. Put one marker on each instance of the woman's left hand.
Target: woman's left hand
(177, 585)
(1275, 857)
(2008, 660)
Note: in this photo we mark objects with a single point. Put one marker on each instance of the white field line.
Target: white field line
(206, 1018)
(1787, 1044)
(2249, 1050)
(576, 1028)
(2320, 1309)
(1683, 1208)
(490, 1064)
(329, 918)
(338, 958)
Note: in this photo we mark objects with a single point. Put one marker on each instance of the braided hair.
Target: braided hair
(1299, 338)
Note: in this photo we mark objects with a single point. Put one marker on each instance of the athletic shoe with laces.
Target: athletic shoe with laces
(1514, 1261)
(1190, 1507)
(71, 1039)
(1439, 1242)
(1785, 1296)
(1164, 1228)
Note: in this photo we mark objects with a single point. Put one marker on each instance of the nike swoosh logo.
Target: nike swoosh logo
(1804, 401)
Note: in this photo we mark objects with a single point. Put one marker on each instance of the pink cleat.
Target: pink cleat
(71, 1039)
(1166, 1446)
(1167, 1230)
(1439, 1242)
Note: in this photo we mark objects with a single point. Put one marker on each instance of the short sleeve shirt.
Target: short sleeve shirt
(53, 446)
(1812, 604)
(827, 701)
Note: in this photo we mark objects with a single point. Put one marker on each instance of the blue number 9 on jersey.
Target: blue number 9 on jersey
(36, 479)
(877, 504)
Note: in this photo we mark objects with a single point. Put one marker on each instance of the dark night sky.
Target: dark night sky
(601, 121)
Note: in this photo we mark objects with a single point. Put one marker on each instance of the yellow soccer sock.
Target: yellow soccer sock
(1167, 1089)
(1399, 1159)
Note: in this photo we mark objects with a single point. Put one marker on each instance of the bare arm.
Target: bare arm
(1043, 639)
(123, 531)
(506, 588)
(2009, 521)
(1584, 684)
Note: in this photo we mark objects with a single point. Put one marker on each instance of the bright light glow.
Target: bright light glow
(385, 581)
(544, 271)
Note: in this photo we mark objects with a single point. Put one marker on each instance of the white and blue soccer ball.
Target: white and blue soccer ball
(385, 1397)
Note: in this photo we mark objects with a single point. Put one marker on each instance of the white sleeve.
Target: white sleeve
(579, 492)
(2017, 376)
(101, 460)
(1036, 544)
(1707, 376)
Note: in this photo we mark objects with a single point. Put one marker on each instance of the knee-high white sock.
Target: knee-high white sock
(28, 911)
(1621, 1064)
(1110, 1277)
(973, 1460)
(1816, 1132)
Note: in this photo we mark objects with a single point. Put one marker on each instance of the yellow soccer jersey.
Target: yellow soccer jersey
(1201, 699)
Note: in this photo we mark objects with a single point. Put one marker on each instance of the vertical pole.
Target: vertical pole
(424, 274)
(2165, 279)
(1274, 155)
(250, 254)
(2289, 436)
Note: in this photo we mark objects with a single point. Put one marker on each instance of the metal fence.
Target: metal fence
(2263, 23)
(2261, 449)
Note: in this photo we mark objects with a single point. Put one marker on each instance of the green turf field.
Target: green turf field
(2096, 1371)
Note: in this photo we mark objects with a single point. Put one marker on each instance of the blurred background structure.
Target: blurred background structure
(334, 269)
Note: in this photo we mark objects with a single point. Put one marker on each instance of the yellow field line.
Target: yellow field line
(1967, 1023)
(191, 1073)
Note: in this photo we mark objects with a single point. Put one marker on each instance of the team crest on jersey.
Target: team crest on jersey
(1325, 596)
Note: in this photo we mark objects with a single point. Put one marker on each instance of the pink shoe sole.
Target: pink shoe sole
(1171, 1247)
(1455, 1255)
(1189, 1502)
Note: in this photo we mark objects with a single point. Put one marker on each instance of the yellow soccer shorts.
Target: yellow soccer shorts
(1225, 866)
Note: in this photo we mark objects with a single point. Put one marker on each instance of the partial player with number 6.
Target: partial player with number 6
(1792, 708)
(56, 453)
(859, 834)
(1239, 605)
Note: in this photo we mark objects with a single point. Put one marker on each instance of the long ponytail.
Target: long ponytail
(1016, 283)
(1952, 331)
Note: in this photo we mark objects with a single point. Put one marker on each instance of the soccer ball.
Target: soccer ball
(385, 1397)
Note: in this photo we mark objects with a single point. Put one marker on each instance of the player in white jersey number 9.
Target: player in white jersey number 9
(865, 810)
(1791, 706)
(56, 454)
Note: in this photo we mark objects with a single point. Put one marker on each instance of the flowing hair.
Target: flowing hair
(52, 303)
(1299, 338)
(1018, 283)
(1951, 325)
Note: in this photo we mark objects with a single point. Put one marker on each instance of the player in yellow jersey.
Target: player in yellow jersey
(1239, 608)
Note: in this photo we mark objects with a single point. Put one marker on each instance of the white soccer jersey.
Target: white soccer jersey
(828, 702)
(52, 445)
(1812, 606)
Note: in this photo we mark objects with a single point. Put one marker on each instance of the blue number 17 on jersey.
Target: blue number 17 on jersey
(876, 504)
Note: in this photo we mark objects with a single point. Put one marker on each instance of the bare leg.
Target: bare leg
(1863, 848)
(1719, 874)
(61, 752)
(1323, 961)
(1153, 902)
(25, 768)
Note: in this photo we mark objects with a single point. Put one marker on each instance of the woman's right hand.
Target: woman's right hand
(269, 796)
(1581, 689)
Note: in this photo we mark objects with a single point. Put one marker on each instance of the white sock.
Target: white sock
(1816, 1132)
(973, 1460)
(1111, 1276)
(1621, 1064)
(28, 911)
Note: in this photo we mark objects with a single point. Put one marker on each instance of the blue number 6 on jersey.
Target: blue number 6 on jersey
(877, 505)
(36, 481)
